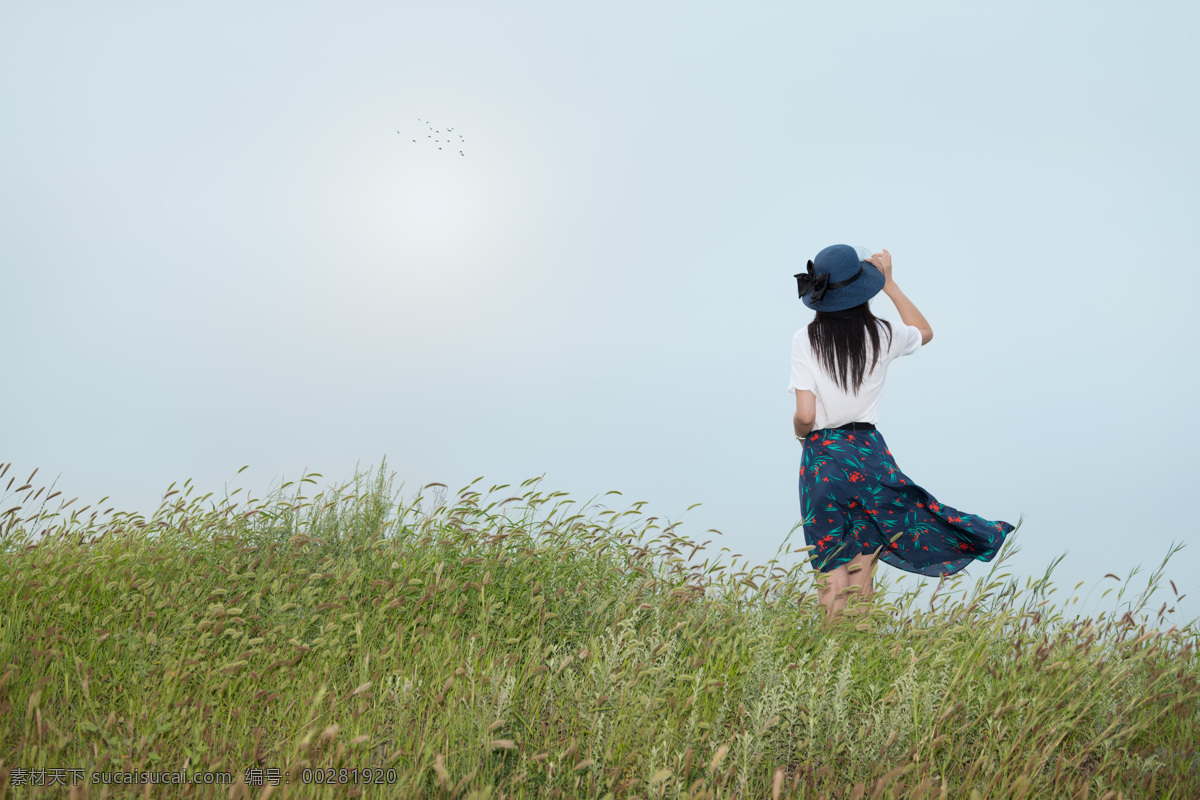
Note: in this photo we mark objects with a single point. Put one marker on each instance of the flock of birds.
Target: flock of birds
(439, 141)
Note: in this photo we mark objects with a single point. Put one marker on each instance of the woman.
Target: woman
(857, 506)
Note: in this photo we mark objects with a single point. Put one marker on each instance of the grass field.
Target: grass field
(356, 645)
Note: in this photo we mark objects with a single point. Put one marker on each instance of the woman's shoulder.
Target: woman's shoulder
(891, 337)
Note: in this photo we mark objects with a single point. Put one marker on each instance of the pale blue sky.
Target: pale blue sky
(217, 250)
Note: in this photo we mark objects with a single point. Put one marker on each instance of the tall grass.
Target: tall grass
(483, 648)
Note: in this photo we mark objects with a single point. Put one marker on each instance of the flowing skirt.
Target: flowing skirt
(854, 500)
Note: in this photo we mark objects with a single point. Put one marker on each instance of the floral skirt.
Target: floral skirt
(855, 500)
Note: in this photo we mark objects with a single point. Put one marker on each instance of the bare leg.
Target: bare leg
(831, 585)
(860, 575)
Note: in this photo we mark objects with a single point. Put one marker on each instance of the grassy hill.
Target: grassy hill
(357, 645)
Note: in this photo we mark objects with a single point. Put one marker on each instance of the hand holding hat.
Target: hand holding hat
(883, 261)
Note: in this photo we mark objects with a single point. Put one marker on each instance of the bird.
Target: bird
(414, 140)
(439, 148)
(450, 129)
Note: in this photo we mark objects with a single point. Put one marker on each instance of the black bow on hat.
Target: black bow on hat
(818, 282)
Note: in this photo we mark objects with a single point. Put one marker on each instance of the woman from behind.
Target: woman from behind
(857, 506)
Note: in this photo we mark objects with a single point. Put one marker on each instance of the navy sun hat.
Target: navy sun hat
(838, 279)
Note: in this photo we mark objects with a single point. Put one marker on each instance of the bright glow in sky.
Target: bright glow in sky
(217, 250)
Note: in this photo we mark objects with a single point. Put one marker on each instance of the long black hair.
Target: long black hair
(839, 341)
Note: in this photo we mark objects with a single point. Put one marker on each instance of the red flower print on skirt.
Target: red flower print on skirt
(862, 479)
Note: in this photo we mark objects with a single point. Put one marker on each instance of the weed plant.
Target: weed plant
(468, 649)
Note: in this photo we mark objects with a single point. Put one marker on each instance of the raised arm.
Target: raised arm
(908, 312)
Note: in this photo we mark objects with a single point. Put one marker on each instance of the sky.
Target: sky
(221, 246)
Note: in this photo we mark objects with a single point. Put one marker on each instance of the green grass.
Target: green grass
(481, 651)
